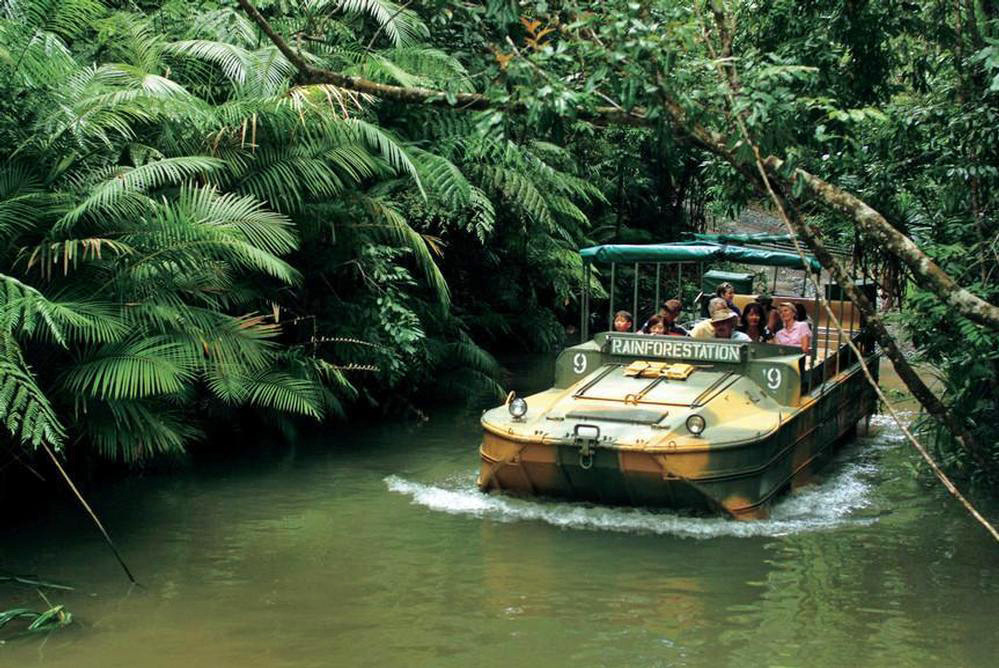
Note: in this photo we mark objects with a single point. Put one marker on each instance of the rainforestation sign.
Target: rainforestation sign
(669, 347)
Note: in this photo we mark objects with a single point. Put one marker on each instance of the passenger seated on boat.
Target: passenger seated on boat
(723, 323)
(655, 325)
(754, 323)
(670, 312)
(703, 329)
(623, 322)
(727, 292)
(774, 323)
(794, 332)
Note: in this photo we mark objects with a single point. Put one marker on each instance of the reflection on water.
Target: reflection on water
(371, 547)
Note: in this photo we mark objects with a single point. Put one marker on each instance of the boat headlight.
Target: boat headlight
(696, 424)
(517, 408)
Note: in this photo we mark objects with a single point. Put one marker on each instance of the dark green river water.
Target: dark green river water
(371, 547)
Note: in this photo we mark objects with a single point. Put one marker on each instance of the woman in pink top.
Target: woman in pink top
(795, 332)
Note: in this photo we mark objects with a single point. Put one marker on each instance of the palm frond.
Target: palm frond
(212, 338)
(66, 19)
(267, 389)
(202, 227)
(243, 218)
(390, 224)
(23, 202)
(234, 61)
(121, 194)
(401, 25)
(33, 58)
(135, 429)
(67, 253)
(132, 369)
(24, 311)
(387, 146)
(227, 25)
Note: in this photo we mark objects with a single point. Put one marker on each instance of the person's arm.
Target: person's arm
(806, 338)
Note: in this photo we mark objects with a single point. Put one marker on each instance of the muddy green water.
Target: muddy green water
(371, 547)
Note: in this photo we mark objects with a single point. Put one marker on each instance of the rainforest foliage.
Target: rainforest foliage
(195, 232)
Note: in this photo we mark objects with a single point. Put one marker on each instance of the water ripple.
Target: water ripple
(832, 504)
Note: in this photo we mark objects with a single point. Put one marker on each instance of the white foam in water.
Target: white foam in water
(816, 508)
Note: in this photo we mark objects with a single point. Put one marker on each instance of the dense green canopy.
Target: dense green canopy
(693, 252)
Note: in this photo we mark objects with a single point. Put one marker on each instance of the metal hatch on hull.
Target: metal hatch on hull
(615, 383)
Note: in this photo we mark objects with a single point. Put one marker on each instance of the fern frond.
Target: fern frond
(25, 411)
(518, 190)
(443, 179)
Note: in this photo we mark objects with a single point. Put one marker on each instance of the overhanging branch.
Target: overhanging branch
(416, 94)
(926, 273)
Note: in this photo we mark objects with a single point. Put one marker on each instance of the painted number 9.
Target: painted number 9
(579, 363)
(774, 378)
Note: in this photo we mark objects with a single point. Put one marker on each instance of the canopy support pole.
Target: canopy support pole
(815, 334)
(634, 303)
(659, 267)
(839, 335)
(610, 312)
(582, 304)
(825, 347)
(773, 290)
(679, 282)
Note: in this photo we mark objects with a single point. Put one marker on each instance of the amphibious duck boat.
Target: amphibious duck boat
(702, 424)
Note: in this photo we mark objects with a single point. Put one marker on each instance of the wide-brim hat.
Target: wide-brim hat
(721, 315)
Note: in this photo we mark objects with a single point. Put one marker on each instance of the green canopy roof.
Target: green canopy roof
(693, 251)
(757, 238)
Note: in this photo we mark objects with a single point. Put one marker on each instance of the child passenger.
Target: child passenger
(671, 311)
(623, 322)
(655, 325)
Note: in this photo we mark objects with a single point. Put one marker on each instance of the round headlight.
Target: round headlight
(695, 424)
(517, 408)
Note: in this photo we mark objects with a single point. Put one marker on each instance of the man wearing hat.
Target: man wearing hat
(703, 329)
(723, 323)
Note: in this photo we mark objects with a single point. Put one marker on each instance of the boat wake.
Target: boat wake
(838, 501)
